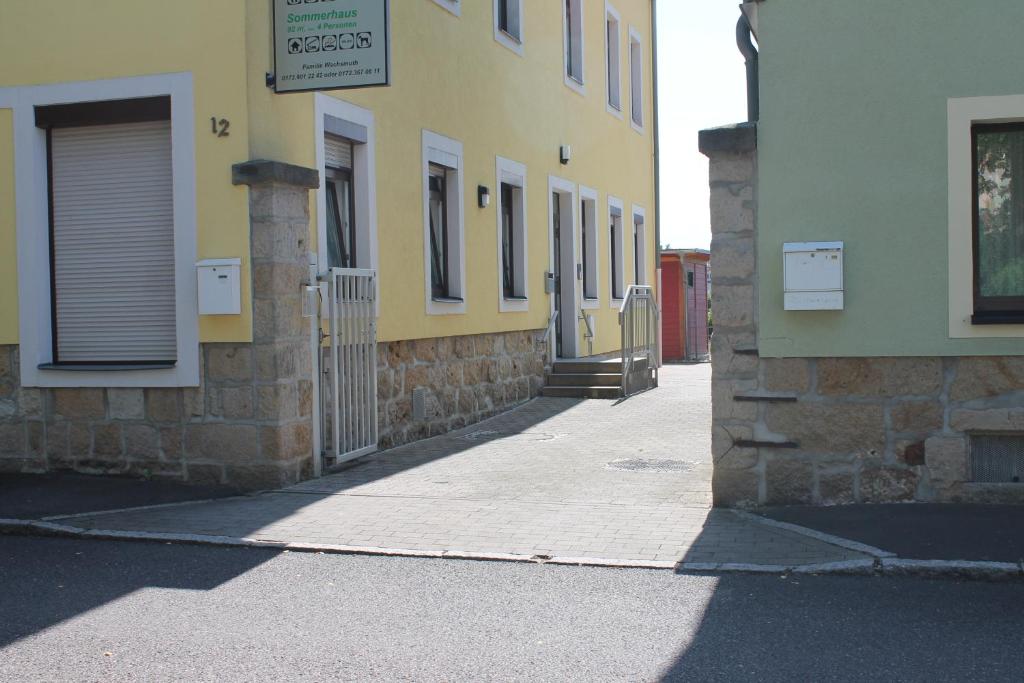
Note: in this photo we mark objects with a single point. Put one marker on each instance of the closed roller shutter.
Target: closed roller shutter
(113, 243)
(338, 152)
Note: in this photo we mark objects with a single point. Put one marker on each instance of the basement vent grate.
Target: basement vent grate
(997, 458)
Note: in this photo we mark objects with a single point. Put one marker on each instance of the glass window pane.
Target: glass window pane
(438, 234)
(1000, 211)
(348, 227)
(334, 240)
(507, 241)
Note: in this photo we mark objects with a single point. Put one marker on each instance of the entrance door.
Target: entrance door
(556, 221)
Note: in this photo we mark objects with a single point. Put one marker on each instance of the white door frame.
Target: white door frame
(568, 227)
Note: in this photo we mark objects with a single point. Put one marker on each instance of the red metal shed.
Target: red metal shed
(684, 310)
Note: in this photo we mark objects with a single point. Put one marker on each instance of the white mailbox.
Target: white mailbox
(813, 275)
(220, 292)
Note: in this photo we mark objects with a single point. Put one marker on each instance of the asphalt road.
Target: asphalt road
(75, 610)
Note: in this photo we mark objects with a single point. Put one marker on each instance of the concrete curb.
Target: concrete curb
(46, 528)
(838, 541)
(884, 566)
(966, 569)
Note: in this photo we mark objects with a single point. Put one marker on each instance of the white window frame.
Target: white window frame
(577, 85)
(639, 278)
(590, 260)
(32, 221)
(364, 171)
(569, 323)
(512, 42)
(636, 81)
(444, 151)
(513, 173)
(453, 6)
(620, 262)
(962, 113)
(611, 14)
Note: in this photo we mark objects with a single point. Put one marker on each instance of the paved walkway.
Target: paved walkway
(593, 481)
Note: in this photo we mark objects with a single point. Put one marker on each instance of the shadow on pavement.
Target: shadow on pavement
(920, 531)
(34, 496)
(800, 628)
(242, 517)
(47, 581)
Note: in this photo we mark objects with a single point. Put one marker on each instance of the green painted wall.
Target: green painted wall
(853, 146)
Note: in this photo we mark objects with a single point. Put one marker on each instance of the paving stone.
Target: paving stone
(529, 481)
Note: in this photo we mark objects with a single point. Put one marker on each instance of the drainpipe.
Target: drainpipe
(746, 46)
(657, 151)
(657, 162)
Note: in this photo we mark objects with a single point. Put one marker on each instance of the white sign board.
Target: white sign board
(331, 44)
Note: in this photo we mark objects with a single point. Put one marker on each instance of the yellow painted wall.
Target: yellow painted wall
(58, 42)
(449, 75)
(8, 244)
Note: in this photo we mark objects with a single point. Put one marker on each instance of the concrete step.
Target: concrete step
(564, 379)
(586, 367)
(582, 392)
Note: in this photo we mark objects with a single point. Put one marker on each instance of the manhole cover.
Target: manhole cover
(494, 435)
(650, 465)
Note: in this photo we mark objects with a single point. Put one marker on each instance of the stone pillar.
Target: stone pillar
(732, 151)
(272, 376)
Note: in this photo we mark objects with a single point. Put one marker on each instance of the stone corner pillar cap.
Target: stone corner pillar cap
(264, 171)
(738, 138)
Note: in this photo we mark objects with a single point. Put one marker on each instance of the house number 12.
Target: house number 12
(219, 128)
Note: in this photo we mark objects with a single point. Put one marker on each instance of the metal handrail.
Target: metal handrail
(589, 335)
(639, 317)
(550, 328)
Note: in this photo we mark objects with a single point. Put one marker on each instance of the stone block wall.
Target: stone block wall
(240, 426)
(466, 379)
(249, 421)
(834, 430)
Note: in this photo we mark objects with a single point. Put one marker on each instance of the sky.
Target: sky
(701, 84)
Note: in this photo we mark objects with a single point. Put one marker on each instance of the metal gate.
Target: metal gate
(349, 394)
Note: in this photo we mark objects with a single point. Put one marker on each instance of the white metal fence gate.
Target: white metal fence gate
(349, 394)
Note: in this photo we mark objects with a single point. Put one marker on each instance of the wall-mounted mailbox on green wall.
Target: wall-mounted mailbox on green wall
(813, 274)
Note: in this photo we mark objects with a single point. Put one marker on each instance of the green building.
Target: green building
(868, 256)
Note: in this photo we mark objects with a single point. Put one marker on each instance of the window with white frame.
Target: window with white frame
(453, 6)
(106, 237)
(639, 247)
(111, 231)
(616, 242)
(443, 224)
(985, 147)
(512, 235)
(340, 203)
(636, 70)
(347, 200)
(613, 59)
(508, 24)
(588, 244)
(573, 27)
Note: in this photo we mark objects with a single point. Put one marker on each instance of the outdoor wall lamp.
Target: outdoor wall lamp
(564, 154)
(483, 196)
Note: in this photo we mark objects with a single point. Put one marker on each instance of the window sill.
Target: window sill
(998, 318)
(575, 85)
(510, 37)
(98, 367)
(515, 298)
(447, 300)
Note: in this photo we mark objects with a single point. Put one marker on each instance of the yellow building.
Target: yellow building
(167, 218)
